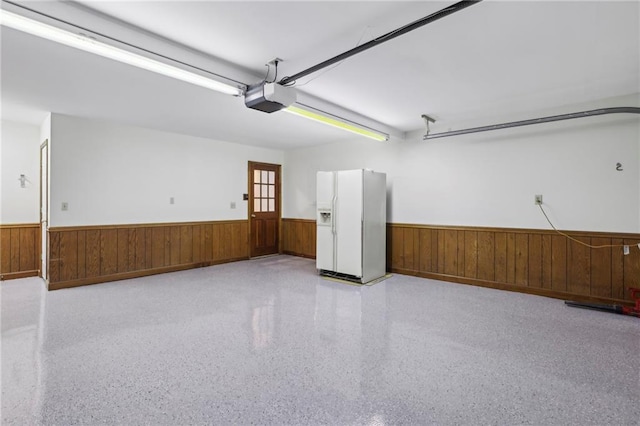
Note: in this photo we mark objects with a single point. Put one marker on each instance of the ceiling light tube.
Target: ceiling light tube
(332, 120)
(88, 44)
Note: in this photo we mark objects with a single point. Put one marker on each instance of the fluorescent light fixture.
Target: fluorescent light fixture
(332, 120)
(83, 42)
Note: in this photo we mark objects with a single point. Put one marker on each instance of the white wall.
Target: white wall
(299, 180)
(115, 174)
(19, 154)
(489, 179)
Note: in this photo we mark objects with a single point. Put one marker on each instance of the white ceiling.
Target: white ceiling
(490, 60)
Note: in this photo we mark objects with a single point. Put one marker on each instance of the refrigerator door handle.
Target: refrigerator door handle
(333, 213)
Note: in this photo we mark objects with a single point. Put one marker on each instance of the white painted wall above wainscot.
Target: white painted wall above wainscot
(19, 154)
(490, 179)
(116, 174)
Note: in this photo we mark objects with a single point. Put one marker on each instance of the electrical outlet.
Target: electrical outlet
(233, 205)
(537, 199)
(65, 206)
(625, 250)
(171, 200)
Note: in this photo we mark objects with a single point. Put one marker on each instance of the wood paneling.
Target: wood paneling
(93, 254)
(558, 263)
(174, 245)
(299, 237)
(511, 258)
(526, 260)
(186, 244)
(425, 250)
(522, 259)
(486, 256)
(579, 269)
(197, 243)
(157, 247)
(600, 271)
(5, 250)
(123, 250)
(409, 249)
(470, 254)
(54, 256)
(500, 256)
(68, 255)
(617, 271)
(451, 252)
(546, 261)
(82, 254)
(531, 261)
(631, 267)
(535, 260)
(108, 252)
(19, 251)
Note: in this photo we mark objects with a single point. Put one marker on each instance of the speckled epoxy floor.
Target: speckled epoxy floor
(269, 342)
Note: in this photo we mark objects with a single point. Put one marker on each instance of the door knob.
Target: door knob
(253, 215)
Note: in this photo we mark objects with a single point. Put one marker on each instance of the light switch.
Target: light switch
(65, 206)
(171, 200)
(233, 205)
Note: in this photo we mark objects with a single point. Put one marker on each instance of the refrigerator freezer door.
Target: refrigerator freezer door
(348, 222)
(325, 199)
(325, 189)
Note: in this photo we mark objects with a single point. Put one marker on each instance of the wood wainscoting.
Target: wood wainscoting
(82, 255)
(525, 260)
(299, 237)
(19, 251)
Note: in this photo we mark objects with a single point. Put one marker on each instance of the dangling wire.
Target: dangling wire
(578, 241)
(275, 77)
(264, 80)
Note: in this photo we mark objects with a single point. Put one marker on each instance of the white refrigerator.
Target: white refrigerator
(351, 224)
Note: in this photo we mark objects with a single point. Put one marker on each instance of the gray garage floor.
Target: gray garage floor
(269, 342)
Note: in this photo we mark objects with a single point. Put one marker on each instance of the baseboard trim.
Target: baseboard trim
(21, 274)
(137, 274)
(511, 287)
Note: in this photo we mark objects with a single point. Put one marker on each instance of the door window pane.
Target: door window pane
(264, 191)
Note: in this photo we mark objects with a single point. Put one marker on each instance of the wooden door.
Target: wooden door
(264, 208)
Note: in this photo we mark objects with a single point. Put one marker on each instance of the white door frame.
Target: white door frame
(44, 210)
